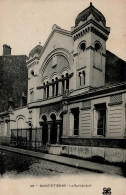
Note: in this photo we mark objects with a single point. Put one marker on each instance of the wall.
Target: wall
(13, 79)
(56, 40)
(20, 113)
(115, 117)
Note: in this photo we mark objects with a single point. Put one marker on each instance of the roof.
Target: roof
(36, 50)
(90, 10)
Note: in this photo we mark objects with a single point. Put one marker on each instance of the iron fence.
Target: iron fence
(30, 138)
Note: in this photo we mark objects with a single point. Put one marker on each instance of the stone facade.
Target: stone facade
(74, 105)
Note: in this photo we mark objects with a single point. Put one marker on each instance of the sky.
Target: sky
(25, 23)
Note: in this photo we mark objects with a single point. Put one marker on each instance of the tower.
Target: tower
(90, 35)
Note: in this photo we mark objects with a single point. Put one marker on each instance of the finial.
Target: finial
(90, 3)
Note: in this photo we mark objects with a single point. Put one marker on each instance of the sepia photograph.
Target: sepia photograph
(63, 97)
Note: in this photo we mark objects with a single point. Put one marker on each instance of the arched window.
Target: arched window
(56, 86)
(98, 47)
(47, 89)
(80, 78)
(82, 47)
(63, 85)
(67, 81)
(32, 72)
(83, 77)
(53, 88)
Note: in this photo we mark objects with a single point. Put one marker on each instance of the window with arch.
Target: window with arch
(82, 78)
(32, 72)
(82, 47)
(53, 88)
(98, 46)
(63, 84)
(67, 81)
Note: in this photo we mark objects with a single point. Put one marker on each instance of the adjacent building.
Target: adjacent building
(76, 103)
(13, 86)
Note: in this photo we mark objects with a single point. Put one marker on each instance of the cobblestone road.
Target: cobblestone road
(21, 165)
(49, 168)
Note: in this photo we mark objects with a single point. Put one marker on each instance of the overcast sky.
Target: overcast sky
(25, 23)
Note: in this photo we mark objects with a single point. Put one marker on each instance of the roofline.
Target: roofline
(61, 31)
(98, 91)
(6, 113)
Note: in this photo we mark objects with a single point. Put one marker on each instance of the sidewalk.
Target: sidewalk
(78, 163)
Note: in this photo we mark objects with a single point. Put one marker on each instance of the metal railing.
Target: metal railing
(28, 139)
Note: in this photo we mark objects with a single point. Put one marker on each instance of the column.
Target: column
(60, 88)
(58, 132)
(44, 93)
(55, 90)
(50, 91)
(64, 85)
(49, 130)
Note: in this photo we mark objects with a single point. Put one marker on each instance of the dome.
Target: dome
(90, 10)
(37, 50)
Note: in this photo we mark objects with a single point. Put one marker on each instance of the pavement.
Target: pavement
(73, 162)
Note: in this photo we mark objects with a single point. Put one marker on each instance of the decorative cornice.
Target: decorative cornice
(91, 21)
(97, 91)
(90, 29)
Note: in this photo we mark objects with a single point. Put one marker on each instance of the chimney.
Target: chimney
(23, 99)
(10, 104)
(6, 50)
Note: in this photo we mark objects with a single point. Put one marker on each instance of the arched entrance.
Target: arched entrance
(44, 130)
(53, 133)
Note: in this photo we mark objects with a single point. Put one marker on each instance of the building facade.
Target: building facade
(76, 99)
(13, 87)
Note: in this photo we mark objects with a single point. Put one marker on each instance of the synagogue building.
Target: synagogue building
(76, 96)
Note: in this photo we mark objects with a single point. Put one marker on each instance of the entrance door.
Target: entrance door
(44, 133)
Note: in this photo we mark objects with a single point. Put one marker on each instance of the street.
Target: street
(21, 165)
